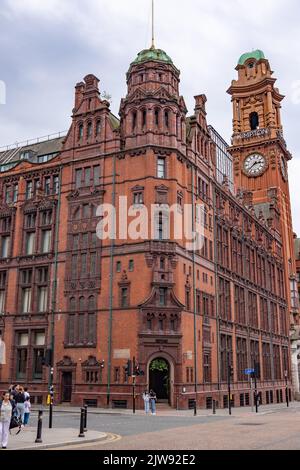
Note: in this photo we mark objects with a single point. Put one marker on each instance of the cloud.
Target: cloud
(47, 46)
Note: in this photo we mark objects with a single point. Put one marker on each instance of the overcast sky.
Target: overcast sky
(47, 46)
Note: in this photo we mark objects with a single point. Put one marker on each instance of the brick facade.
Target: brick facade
(148, 299)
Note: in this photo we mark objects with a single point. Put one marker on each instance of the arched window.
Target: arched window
(156, 117)
(72, 304)
(162, 263)
(89, 130)
(167, 119)
(91, 304)
(81, 304)
(80, 131)
(98, 127)
(254, 121)
(144, 118)
(133, 120)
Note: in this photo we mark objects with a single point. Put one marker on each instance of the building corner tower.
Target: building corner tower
(261, 158)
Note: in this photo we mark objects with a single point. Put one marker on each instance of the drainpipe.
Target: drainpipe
(216, 287)
(195, 293)
(54, 285)
(111, 286)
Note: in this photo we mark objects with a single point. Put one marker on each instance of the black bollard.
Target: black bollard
(195, 408)
(39, 428)
(81, 432)
(51, 415)
(85, 417)
(214, 407)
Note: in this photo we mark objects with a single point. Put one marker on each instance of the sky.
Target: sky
(48, 46)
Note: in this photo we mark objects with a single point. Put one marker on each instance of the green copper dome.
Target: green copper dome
(153, 54)
(257, 55)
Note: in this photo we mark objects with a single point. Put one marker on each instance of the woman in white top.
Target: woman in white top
(5, 418)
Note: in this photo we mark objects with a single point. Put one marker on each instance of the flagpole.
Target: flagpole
(152, 45)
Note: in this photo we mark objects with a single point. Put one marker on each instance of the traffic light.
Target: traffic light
(231, 371)
(128, 368)
(138, 371)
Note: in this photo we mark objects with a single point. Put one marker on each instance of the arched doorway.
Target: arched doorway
(159, 379)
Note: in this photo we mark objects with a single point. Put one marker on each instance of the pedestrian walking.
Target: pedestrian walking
(27, 409)
(20, 401)
(5, 418)
(26, 393)
(153, 402)
(146, 398)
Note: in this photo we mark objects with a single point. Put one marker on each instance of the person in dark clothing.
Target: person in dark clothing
(13, 390)
(20, 399)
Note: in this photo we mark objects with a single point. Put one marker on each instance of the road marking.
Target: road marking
(110, 438)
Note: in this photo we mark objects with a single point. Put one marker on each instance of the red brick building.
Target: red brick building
(182, 314)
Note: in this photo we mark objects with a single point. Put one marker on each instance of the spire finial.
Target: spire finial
(152, 44)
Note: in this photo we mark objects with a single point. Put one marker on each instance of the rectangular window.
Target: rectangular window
(119, 266)
(161, 168)
(26, 300)
(30, 242)
(131, 265)
(81, 329)
(46, 241)
(42, 299)
(124, 297)
(78, 178)
(30, 221)
(47, 186)
(46, 218)
(87, 177)
(21, 363)
(138, 198)
(83, 265)
(207, 367)
(96, 175)
(74, 263)
(93, 263)
(29, 190)
(92, 328)
(38, 355)
(5, 247)
(162, 296)
(56, 185)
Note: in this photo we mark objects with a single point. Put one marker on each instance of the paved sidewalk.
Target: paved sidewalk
(52, 438)
(165, 411)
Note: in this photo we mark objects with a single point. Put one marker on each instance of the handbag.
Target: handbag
(15, 423)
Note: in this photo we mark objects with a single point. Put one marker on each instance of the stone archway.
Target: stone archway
(161, 377)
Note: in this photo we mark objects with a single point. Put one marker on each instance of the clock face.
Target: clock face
(255, 164)
(283, 168)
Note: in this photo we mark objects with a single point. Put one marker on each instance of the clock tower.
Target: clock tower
(261, 157)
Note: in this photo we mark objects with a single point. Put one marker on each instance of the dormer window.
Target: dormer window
(251, 65)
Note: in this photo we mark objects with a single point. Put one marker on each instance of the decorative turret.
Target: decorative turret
(256, 101)
(153, 112)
